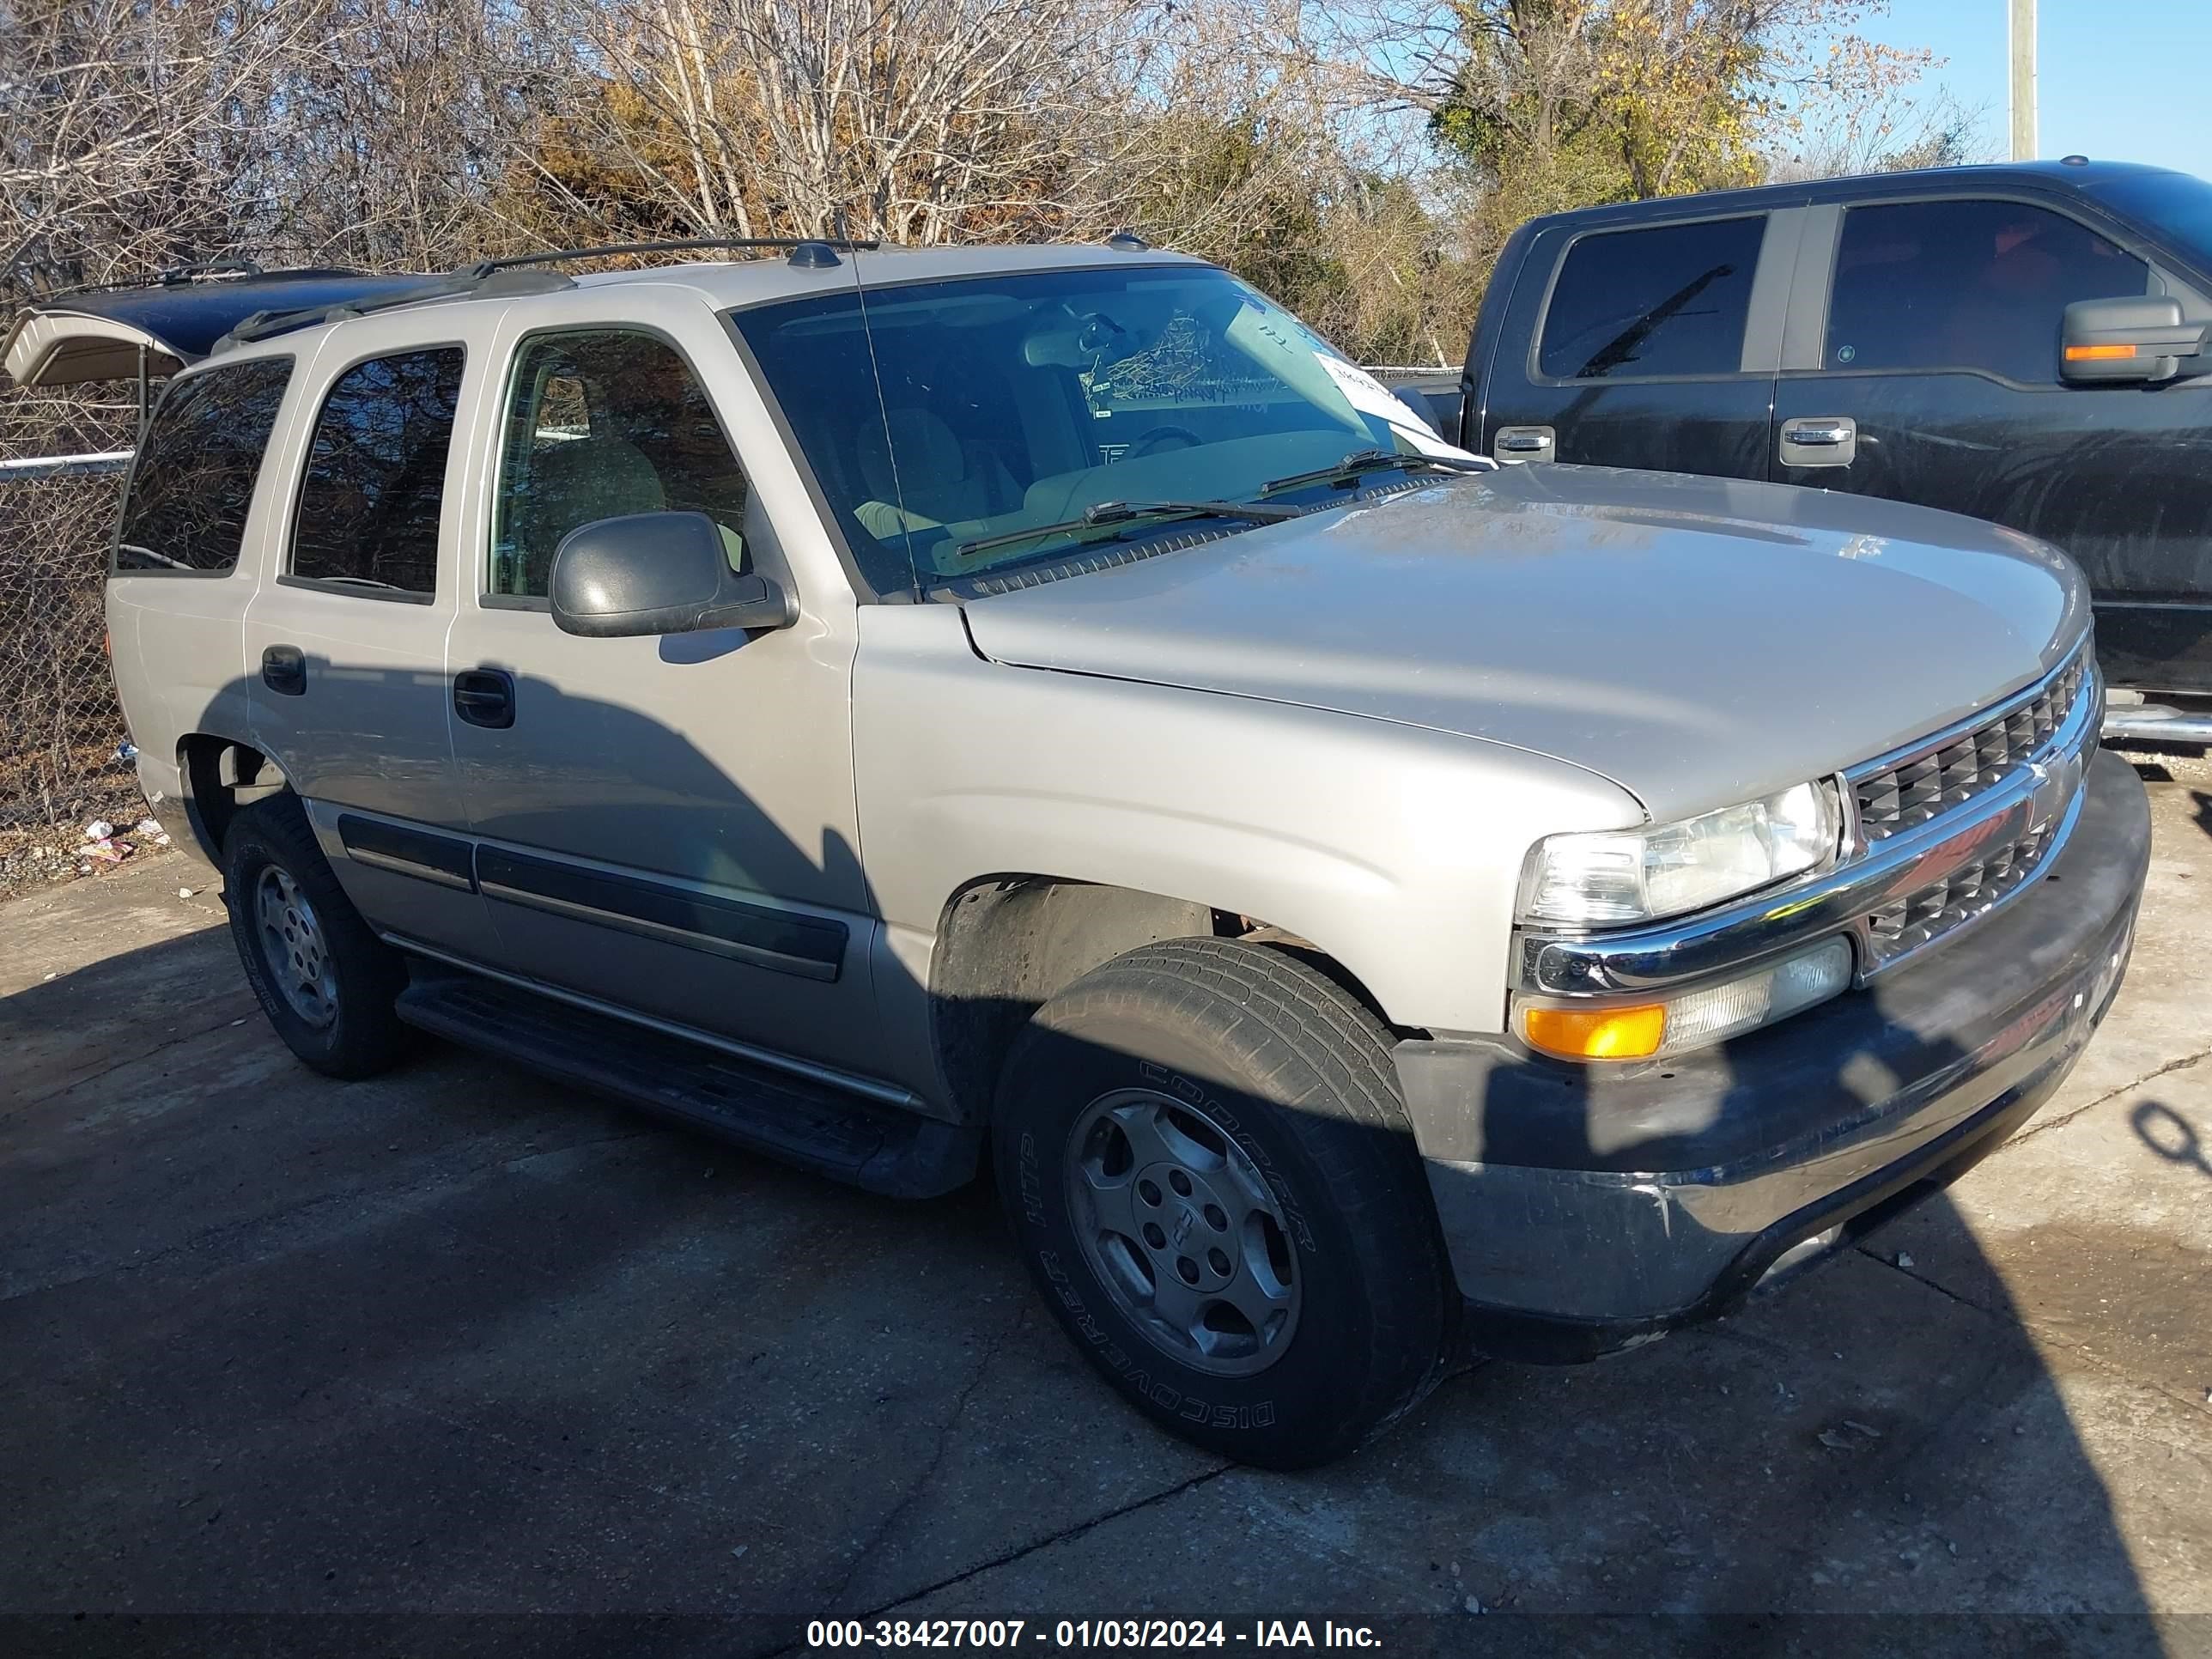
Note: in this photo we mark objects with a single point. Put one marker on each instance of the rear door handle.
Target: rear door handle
(485, 697)
(284, 670)
(1819, 440)
(1525, 443)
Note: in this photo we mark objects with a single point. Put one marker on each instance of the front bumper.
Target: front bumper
(1587, 1208)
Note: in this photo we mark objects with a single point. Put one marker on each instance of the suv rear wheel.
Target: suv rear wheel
(326, 983)
(1203, 1149)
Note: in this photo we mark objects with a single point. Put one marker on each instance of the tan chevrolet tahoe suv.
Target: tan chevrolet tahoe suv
(1041, 708)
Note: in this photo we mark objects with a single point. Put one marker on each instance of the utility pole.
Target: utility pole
(2021, 43)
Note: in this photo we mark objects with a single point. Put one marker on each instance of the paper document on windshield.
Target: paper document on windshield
(1284, 348)
(1370, 397)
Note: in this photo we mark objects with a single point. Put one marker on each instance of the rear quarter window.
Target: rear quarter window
(1664, 301)
(193, 480)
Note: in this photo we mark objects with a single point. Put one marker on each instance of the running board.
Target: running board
(814, 1127)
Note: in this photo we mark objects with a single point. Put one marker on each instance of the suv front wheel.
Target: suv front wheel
(326, 983)
(1210, 1171)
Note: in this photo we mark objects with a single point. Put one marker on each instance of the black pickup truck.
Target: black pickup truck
(2025, 344)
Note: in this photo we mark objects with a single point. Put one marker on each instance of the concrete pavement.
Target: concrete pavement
(456, 1361)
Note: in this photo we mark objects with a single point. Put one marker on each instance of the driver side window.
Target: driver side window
(601, 424)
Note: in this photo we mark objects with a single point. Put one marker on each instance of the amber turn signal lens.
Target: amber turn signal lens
(1597, 1033)
(2090, 353)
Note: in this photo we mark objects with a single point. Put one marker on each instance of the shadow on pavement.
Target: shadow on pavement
(455, 1360)
(2171, 1135)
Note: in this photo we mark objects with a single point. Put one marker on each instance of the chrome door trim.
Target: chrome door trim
(764, 936)
(407, 849)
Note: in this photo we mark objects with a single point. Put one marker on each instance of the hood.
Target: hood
(1697, 641)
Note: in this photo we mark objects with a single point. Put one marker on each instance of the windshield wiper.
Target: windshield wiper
(1123, 513)
(363, 581)
(1375, 460)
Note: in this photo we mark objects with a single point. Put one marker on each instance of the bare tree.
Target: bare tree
(111, 113)
(1887, 132)
(912, 119)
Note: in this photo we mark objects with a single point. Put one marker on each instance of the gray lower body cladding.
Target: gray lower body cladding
(1586, 1210)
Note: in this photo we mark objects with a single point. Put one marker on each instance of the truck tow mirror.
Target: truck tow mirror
(2137, 341)
(658, 573)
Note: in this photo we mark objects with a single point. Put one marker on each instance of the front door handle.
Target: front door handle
(485, 697)
(1819, 440)
(284, 670)
(1525, 443)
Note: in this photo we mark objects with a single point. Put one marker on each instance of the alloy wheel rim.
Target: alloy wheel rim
(295, 949)
(1183, 1231)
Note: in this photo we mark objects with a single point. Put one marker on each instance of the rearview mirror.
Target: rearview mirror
(658, 573)
(2132, 341)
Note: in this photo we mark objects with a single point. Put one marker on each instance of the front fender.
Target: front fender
(1396, 849)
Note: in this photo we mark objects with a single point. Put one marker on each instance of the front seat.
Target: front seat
(936, 481)
(577, 482)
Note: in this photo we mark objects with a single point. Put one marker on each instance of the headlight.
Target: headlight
(1609, 877)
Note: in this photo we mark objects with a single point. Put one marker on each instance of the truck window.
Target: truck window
(1666, 301)
(194, 478)
(368, 510)
(1967, 285)
(601, 423)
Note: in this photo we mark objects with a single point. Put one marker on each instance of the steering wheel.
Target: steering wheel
(1142, 445)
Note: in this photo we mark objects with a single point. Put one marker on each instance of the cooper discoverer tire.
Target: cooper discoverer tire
(326, 983)
(1210, 1171)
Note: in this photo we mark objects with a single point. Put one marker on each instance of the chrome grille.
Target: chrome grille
(1965, 893)
(1897, 798)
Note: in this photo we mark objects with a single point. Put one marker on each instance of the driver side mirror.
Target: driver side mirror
(2137, 341)
(658, 573)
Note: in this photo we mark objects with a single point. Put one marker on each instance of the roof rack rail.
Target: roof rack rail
(813, 246)
(263, 324)
(510, 274)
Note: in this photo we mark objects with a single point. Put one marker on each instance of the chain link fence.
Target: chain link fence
(59, 721)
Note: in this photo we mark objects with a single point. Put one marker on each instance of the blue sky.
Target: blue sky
(2117, 79)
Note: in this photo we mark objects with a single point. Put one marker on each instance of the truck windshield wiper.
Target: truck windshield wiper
(1373, 460)
(1123, 513)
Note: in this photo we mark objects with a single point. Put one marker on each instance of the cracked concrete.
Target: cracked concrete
(454, 1360)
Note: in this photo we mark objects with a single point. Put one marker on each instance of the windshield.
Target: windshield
(941, 418)
(2174, 205)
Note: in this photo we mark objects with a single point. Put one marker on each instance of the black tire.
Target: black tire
(272, 843)
(1252, 1047)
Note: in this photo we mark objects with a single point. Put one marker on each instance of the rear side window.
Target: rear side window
(1967, 285)
(194, 478)
(376, 475)
(1667, 301)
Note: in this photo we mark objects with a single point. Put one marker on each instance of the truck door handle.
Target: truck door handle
(485, 697)
(1819, 440)
(1525, 443)
(284, 670)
